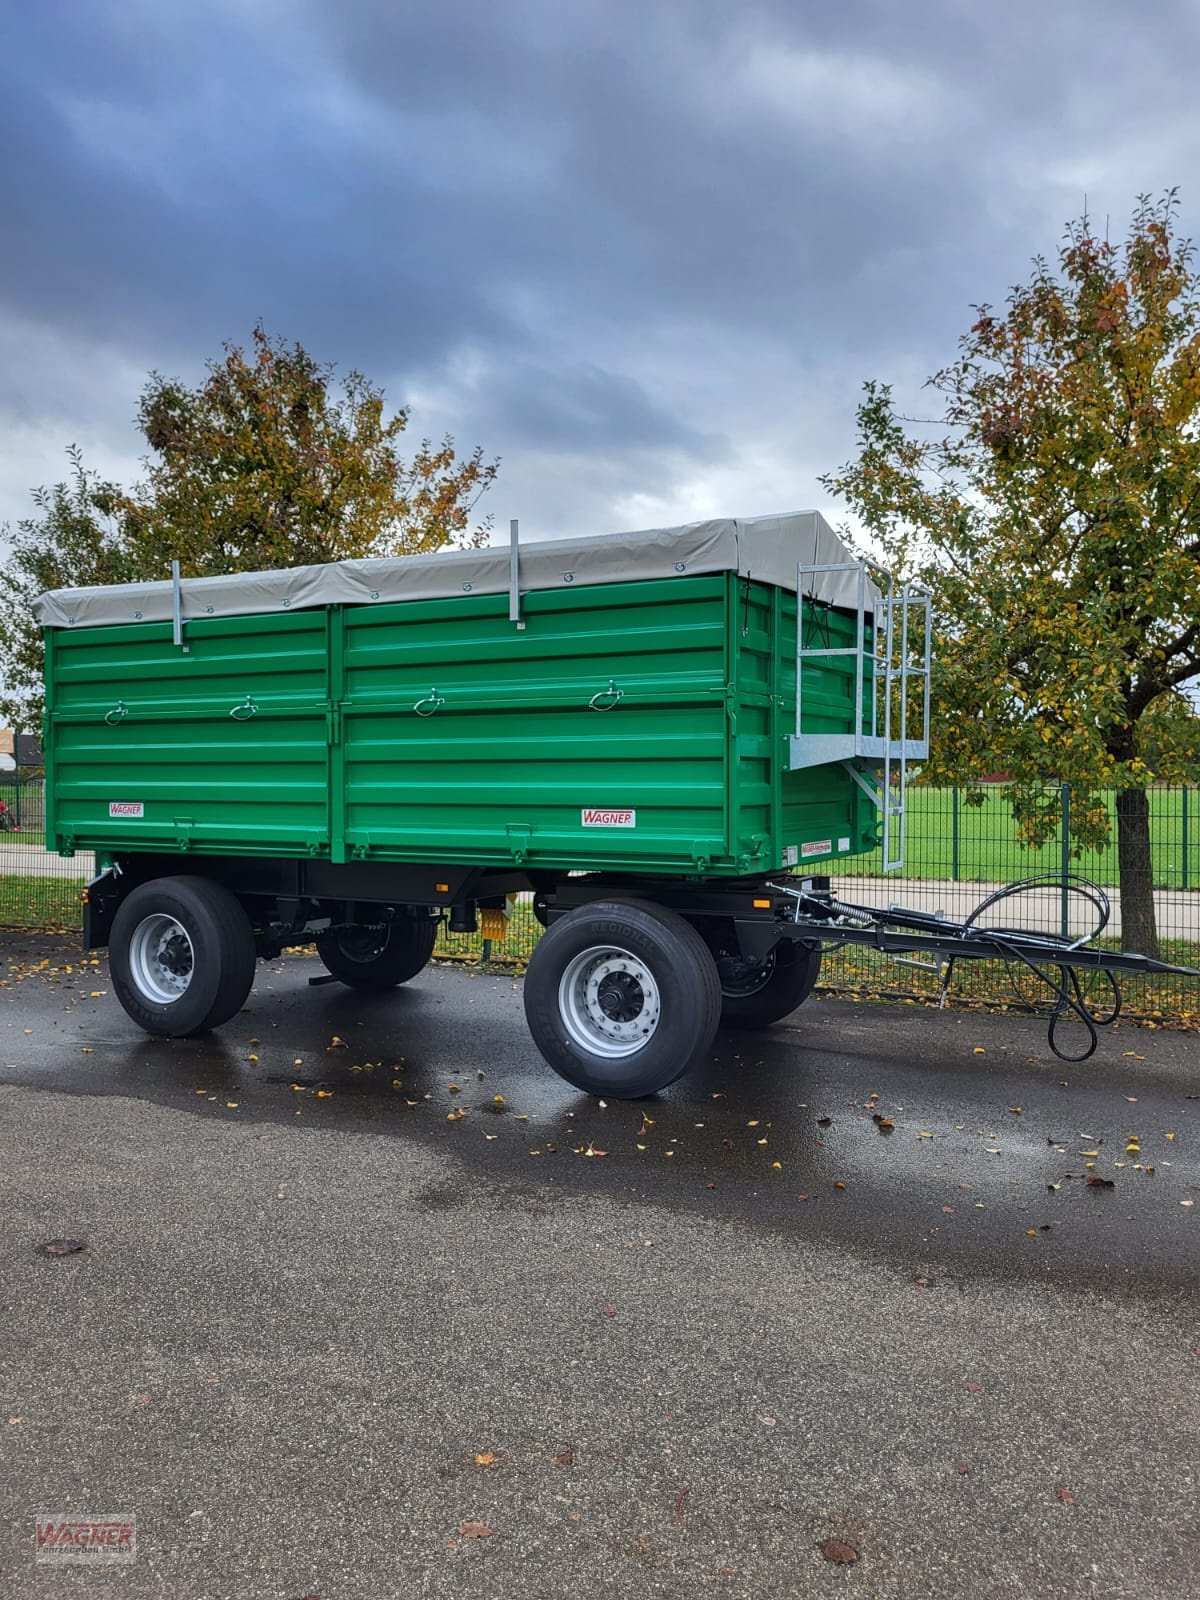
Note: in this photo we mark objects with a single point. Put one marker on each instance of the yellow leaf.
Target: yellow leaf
(979, 1050)
(1168, 1136)
(324, 1094)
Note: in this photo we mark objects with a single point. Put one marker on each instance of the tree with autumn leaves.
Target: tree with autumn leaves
(267, 463)
(1052, 505)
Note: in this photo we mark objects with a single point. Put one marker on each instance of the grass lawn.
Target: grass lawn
(988, 850)
(51, 904)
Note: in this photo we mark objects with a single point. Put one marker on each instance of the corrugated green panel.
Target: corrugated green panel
(513, 751)
(438, 731)
(821, 812)
(136, 722)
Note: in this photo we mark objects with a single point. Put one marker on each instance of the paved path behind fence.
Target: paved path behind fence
(35, 861)
(1177, 910)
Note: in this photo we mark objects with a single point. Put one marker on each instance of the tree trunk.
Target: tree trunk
(1139, 930)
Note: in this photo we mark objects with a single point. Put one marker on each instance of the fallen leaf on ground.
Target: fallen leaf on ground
(1092, 1182)
(838, 1184)
(838, 1550)
(608, 1309)
(1064, 1494)
(963, 1468)
(565, 1459)
(475, 1530)
(972, 1386)
(61, 1247)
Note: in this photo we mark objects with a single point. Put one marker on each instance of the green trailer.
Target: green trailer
(643, 731)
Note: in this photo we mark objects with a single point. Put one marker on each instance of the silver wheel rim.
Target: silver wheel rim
(161, 958)
(609, 1002)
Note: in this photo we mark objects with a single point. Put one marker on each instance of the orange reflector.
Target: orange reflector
(442, 888)
(762, 905)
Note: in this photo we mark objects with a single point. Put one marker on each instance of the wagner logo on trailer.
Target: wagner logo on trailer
(92, 1539)
(126, 808)
(596, 817)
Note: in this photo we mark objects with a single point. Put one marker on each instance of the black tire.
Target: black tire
(378, 958)
(762, 995)
(659, 998)
(181, 956)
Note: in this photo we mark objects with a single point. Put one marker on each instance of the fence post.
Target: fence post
(1184, 863)
(1065, 858)
(954, 861)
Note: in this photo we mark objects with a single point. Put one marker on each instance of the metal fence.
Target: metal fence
(956, 853)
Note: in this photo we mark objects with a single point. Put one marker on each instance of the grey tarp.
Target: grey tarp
(771, 549)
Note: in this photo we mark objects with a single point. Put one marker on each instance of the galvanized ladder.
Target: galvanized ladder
(896, 656)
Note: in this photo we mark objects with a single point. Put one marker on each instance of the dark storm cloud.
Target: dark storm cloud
(650, 246)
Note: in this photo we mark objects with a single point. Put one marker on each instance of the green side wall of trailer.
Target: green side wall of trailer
(437, 731)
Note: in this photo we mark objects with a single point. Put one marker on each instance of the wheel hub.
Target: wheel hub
(609, 1001)
(161, 958)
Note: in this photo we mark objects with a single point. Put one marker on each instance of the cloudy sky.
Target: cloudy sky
(647, 253)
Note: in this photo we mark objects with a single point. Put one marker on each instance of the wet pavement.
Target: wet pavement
(911, 1109)
(364, 1264)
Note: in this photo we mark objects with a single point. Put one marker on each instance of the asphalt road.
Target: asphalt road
(331, 1337)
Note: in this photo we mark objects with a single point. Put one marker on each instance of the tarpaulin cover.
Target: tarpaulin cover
(769, 549)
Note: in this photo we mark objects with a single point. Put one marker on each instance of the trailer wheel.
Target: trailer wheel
(181, 955)
(763, 993)
(622, 998)
(378, 958)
